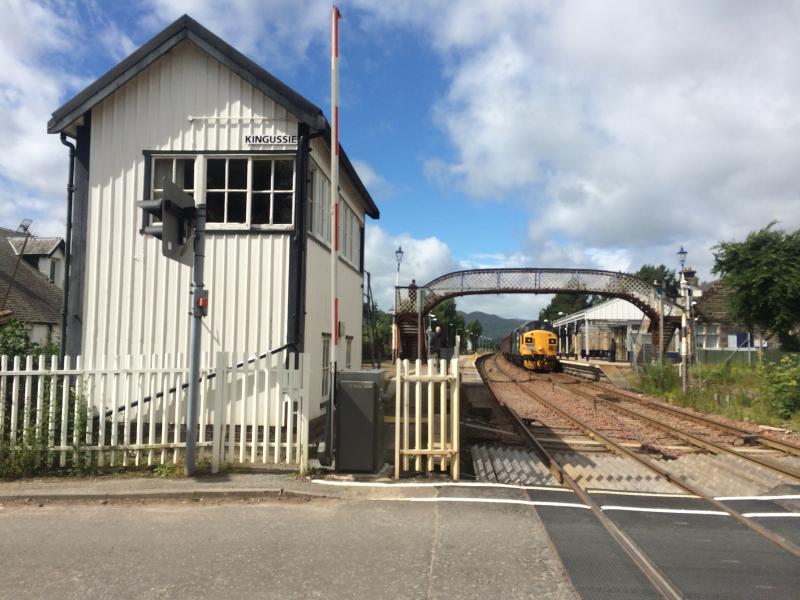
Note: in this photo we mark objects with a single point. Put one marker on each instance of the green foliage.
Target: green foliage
(658, 378)
(660, 273)
(737, 391)
(567, 304)
(474, 329)
(450, 320)
(383, 332)
(763, 272)
(782, 384)
(15, 339)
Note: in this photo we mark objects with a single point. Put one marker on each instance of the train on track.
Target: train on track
(532, 345)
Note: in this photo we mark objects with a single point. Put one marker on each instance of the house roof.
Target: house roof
(35, 246)
(714, 305)
(31, 297)
(185, 28)
(615, 309)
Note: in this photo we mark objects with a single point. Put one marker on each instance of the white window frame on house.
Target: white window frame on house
(156, 188)
(707, 336)
(349, 351)
(249, 191)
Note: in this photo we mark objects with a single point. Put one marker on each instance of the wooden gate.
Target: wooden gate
(427, 395)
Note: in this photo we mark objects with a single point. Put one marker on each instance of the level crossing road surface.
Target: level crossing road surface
(295, 548)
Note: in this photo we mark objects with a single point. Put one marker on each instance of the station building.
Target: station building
(188, 106)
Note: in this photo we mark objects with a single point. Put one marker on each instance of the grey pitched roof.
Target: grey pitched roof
(36, 246)
(186, 28)
(31, 298)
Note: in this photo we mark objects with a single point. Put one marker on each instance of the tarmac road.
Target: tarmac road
(295, 548)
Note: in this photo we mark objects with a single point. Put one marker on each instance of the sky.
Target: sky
(574, 134)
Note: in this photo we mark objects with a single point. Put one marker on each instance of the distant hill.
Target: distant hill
(493, 326)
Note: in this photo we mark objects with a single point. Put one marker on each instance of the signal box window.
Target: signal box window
(250, 192)
(178, 170)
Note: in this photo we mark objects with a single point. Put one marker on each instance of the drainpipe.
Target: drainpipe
(67, 248)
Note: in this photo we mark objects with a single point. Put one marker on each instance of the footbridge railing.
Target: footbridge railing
(412, 300)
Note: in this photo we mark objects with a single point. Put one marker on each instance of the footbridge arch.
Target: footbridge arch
(412, 302)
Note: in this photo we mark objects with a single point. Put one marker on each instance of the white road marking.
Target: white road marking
(409, 484)
(784, 497)
(643, 494)
(681, 511)
(771, 514)
(492, 501)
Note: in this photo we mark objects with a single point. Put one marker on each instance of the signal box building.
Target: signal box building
(188, 106)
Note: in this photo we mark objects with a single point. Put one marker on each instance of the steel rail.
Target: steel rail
(650, 570)
(744, 434)
(692, 439)
(777, 539)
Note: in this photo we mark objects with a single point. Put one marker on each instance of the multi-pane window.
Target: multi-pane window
(707, 336)
(319, 222)
(320, 214)
(250, 191)
(326, 364)
(178, 170)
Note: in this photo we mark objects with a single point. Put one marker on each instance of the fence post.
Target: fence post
(217, 447)
(455, 410)
(3, 378)
(397, 417)
(303, 419)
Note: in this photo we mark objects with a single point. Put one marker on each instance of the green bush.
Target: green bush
(658, 378)
(781, 381)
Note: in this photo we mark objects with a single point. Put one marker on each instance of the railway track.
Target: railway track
(559, 471)
(744, 436)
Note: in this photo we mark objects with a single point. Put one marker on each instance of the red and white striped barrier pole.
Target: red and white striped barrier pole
(335, 16)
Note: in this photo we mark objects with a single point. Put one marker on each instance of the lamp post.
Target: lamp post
(395, 333)
(685, 297)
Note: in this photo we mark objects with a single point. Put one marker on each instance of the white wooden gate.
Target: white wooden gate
(427, 395)
(132, 411)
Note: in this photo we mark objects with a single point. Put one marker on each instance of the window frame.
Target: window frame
(213, 228)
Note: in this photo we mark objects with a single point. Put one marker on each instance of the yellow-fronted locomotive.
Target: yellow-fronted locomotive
(532, 345)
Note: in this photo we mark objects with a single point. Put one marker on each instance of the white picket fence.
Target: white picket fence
(428, 397)
(132, 411)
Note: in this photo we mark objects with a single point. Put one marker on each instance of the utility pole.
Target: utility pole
(199, 310)
(685, 298)
(660, 288)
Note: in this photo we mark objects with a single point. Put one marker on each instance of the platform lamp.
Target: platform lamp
(398, 254)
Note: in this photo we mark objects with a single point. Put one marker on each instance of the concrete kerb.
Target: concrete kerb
(148, 488)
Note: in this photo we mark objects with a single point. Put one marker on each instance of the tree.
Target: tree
(383, 332)
(448, 318)
(652, 273)
(763, 274)
(567, 304)
(474, 331)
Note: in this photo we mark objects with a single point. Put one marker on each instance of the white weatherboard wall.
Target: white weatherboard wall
(136, 301)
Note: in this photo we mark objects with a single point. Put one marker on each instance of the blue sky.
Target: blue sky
(504, 133)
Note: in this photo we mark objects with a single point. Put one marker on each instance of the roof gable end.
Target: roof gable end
(182, 29)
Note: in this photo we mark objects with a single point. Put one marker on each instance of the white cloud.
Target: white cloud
(379, 188)
(629, 128)
(278, 33)
(33, 170)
